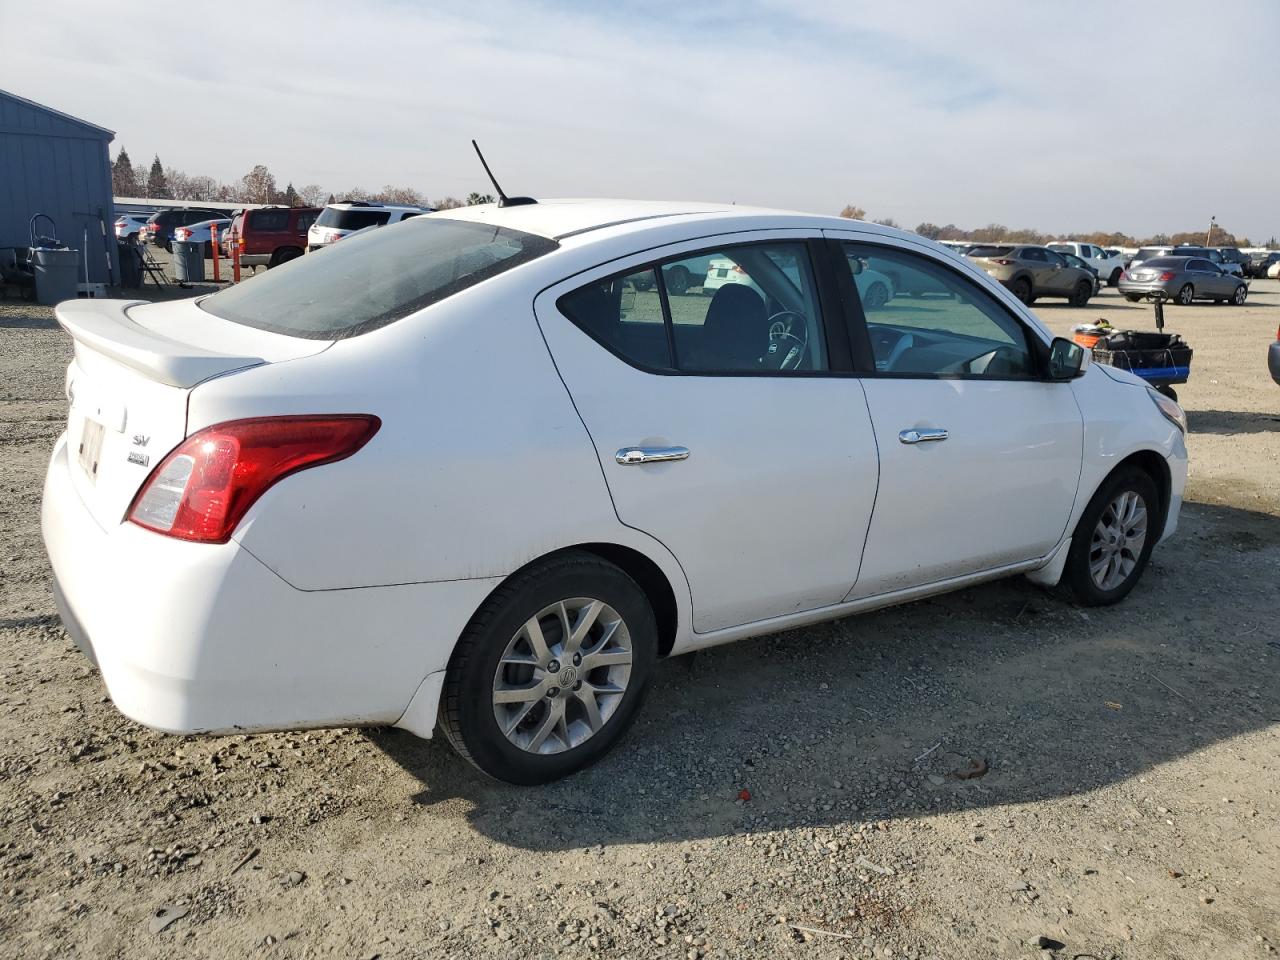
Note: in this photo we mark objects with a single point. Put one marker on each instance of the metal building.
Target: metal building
(58, 165)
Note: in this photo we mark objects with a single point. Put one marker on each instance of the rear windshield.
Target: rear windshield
(1146, 253)
(374, 279)
(981, 251)
(1164, 262)
(1060, 248)
(352, 219)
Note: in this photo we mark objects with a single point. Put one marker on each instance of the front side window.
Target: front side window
(935, 322)
(374, 279)
(1054, 259)
(745, 309)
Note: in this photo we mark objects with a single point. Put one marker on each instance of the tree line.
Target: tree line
(259, 185)
(999, 233)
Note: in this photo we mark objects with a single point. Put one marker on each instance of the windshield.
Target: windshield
(374, 279)
(351, 219)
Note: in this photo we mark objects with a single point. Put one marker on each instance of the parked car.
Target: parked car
(874, 288)
(1106, 266)
(201, 232)
(128, 225)
(680, 278)
(1208, 253)
(1260, 263)
(1074, 261)
(299, 524)
(160, 225)
(1273, 358)
(1184, 279)
(1233, 255)
(337, 220)
(1031, 272)
(270, 236)
(1273, 270)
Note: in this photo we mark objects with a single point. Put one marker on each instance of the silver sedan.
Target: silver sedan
(1183, 279)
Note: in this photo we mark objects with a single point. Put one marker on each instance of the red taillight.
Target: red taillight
(1003, 262)
(737, 268)
(203, 489)
(1167, 276)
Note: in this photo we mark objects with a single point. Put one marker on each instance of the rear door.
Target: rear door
(728, 426)
(979, 457)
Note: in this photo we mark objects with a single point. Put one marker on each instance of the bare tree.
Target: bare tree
(405, 195)
(852, 212)
(447, 203)
(887, 222)
(311, 194)
(259, 185)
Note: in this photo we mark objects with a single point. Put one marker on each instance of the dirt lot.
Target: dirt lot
(1129, 808)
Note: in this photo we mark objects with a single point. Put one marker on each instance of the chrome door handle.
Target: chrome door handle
(632, 455)
(922, 435)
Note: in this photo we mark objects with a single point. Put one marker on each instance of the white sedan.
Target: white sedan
(478, 472)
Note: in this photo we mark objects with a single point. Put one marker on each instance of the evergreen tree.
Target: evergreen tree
(290, 195)
(157, 184)
(124, 181)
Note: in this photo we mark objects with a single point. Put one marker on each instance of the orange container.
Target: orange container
(1086, 340)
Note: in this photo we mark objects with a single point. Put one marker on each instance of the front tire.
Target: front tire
(1081, 294)
(877, 296)
(1186, 295)
(1240, 295)
(1114, 279)
(551, 671)
(677, 280)
(1113, 540)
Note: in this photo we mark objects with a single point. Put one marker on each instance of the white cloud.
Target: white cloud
(1087, 115)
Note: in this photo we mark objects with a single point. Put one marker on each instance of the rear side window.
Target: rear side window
(1035, 254)
(355, 219)
(743, 309)
(374, 279)
(268, 220)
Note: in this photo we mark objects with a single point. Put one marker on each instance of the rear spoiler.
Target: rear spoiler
(104, 327)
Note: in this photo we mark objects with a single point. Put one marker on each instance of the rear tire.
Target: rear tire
(284, 255)
(877, 296)
(496, 643)
(1114, 279)
(1186, 295)
(1106, 560)
(1131, 298)
(1021, 289)
(1081, 294)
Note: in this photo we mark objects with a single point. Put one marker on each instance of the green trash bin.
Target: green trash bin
(57, 274)
(188, 261)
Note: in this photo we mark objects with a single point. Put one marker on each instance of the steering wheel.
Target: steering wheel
(781, 325)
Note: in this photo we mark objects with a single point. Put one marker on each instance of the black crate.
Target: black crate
(1158, 357)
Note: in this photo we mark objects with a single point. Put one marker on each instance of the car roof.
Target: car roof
(373, 205)
(558, 219)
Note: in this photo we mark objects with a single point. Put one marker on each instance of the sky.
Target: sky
(1091, 115)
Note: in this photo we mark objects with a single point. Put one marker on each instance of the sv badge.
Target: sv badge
(141, 439)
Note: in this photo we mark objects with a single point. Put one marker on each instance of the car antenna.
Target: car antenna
(503, 199)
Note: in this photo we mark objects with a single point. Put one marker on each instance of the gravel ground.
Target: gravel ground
(954, 778)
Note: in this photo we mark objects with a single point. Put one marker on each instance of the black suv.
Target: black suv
(160, 225)
(1236, 255)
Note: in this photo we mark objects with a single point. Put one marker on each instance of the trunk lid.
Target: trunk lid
(134, 368)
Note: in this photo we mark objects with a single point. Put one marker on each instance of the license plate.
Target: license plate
(91, 448)
(723, 272)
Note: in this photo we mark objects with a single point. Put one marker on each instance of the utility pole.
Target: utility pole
(1209, 233)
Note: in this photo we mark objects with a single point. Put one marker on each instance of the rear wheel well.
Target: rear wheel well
(652, 581)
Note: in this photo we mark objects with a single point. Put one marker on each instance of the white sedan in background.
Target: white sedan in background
(202, 232)
(459, 474)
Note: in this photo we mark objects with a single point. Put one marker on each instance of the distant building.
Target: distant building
(58, 165)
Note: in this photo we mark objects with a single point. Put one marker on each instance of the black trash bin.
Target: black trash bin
(130, 264)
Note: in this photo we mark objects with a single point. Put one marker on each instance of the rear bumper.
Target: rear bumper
(1146, 287)
(201, 638)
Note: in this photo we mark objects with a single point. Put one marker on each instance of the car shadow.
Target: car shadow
(25, 321)
(1230, 422)
(999, 694)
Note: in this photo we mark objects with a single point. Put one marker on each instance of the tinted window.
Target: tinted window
(748, 309)
(1203, 265)
(625, 314)
(354, 219)
(268, 220)
(1056, 258)
(305, 220)
(1146, 253)
(375, 279)
(1034, 254)
(945, 326)
(989, 251)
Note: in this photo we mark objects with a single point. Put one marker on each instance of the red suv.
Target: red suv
(270, 235)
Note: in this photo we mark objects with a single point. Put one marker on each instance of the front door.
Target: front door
(722, 427)
(979, 457)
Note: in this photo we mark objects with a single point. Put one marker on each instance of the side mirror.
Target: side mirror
(1067, 359)
(856, 265)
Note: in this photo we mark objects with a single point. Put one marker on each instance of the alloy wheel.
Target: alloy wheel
(1117, 541)
(1186, 295)
(562, 676)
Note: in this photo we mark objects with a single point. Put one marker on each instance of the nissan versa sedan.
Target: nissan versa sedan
(1184, 279)
(465, 473)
